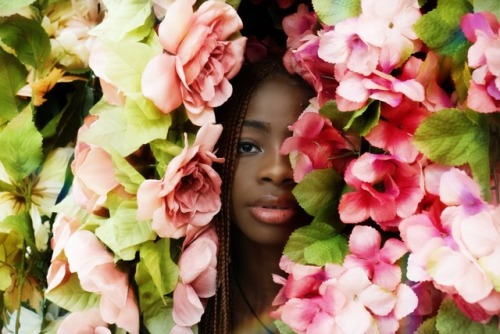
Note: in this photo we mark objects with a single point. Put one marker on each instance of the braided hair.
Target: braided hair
(217, 316)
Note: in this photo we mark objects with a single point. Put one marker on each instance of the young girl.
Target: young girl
(259, 211)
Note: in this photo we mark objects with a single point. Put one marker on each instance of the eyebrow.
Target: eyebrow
(256, 124)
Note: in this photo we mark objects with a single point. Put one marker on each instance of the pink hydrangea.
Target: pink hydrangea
(198, 59)
(483, 30)
(385, 190)
(315, 144)
(197, 273)
(188, 196)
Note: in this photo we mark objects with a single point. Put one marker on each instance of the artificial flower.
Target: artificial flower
(198, 60)
(187, 197)
(84, 322)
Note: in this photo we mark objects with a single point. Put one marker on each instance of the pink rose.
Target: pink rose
(197, 272)
(315, 144)
(188, 196)
(94, 173)
(198, 60)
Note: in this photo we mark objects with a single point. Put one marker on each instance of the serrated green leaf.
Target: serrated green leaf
(12, 78)
(332, 250)
(332, 12)
(318, 193)
(123, 233)
(9, 7)
(27, 38)
(440, 29)
(72, 297)
(22, 226)
(21, 143)
(461, 76)
(158, 264)
(305, 236)
(449, 137)
(132, 20)
(164, 151)
(126, 174)
(450, 320)
(428, 327)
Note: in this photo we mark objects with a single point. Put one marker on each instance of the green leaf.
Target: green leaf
(12, 78)
(124, 129)
(332, 12)
(428, 327)
(123, 233)
(318, 193)
(72, 297)
(304, 237)
(450, 320)
(360, 121)
(283, 328)
(131, 19)
(156, 261)
(164, 151)
(332, 250)
(12, 244)
(21, 143)
(21, 224)
(9, 7)
(440, 29)
(126, 174)
(27, 38)
(486, 6)
(450, 138)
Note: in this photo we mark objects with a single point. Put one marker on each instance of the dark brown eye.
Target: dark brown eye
(247, 147)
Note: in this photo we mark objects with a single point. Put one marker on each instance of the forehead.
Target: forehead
(278, 99)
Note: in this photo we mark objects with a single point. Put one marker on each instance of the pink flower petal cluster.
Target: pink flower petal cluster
(339, 299)
(87, 322)
(96, 272)
(385, 190)
(483, 30)
(188, 196)
(460, 252)
(94, 173)
(301, 56)
(198, 59)
(396, 127)
(198, 273)
(315, 144)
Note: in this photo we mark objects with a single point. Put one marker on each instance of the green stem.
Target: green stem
(4, 186)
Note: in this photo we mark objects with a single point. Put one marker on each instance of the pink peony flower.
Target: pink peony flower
(84, 322)
(315, 144)
(198, 60)
(94, 173)
(98, 273)
(483, 30)
(197, 272)
(395, 129)
(378, 263)
(188, 196)
(385, 190)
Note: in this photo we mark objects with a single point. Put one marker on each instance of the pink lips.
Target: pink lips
(273, 210)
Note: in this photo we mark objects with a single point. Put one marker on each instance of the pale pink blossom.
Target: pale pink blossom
(84, 322)
(385, 190)
(197, 273)
(188, 196)
(94, 172)
(98, 273)
(378, 263)
(483, 30)
(315, 144)
(395, 129)
(198, 59)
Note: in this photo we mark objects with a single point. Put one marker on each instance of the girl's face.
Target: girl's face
(263, 206)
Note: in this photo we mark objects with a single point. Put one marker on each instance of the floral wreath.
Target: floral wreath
(107, 189)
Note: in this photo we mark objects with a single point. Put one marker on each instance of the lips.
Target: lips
(274, 210)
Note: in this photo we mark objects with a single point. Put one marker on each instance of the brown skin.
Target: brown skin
(263, 182)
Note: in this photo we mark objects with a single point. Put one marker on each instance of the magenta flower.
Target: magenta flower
(197, 273)
(378, 263)
(188, 196)
(483, 30)
(198, 60)
(315, 144)
(396, 127)
(385, 190)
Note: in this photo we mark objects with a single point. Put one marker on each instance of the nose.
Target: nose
(276, 168)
